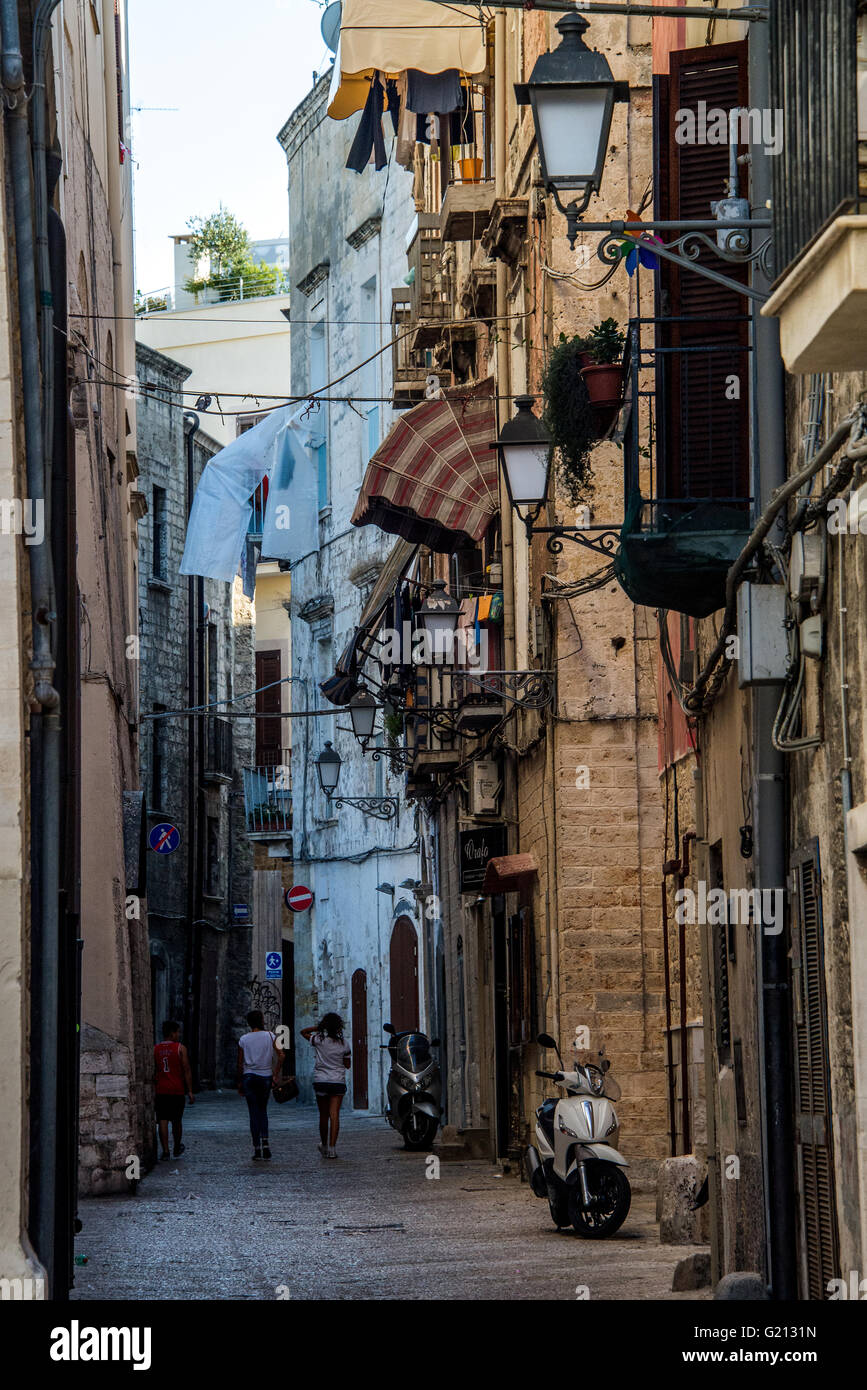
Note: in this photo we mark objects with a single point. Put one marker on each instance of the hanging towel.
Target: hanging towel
(437, 91)
(368, 137)
(484, 608)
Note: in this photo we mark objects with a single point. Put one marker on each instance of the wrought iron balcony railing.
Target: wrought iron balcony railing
(268, 799)
(686, 442)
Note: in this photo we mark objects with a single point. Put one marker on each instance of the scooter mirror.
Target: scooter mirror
(388, 1028)
(545, 1040)
(604, 1065)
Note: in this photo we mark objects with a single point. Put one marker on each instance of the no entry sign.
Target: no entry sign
(299, 898)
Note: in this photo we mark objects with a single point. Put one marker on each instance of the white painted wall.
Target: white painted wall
(342, 854)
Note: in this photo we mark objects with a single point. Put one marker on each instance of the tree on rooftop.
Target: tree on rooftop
(222, 244)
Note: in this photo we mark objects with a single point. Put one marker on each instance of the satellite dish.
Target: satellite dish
(330, 26)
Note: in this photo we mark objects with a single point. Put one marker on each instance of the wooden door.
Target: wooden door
(270, 701)
(359, 1041)
(208, 1016)
(403, 971)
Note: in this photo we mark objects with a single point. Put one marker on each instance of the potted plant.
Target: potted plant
(569, 415)
(604, 374)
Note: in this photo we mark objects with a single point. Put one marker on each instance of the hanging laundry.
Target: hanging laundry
(368, 137)
(392, 97)
(437, 91)
(277, 448)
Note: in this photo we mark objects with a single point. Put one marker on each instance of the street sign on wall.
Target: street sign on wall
(299, 898)
(273, 965)
(475, 848)
(164, 838)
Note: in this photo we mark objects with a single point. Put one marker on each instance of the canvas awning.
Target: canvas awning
(340, 688)
(434, 479)
(392, 35)
(508, 873)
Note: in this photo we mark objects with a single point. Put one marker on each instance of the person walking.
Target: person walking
(173, 1081)
(260, 1061)
(333, 1056)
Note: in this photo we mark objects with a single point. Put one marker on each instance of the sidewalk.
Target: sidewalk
(370, 1225)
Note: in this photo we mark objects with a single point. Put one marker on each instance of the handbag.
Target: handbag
(285, 1090)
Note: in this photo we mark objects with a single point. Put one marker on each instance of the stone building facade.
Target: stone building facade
(209, 994)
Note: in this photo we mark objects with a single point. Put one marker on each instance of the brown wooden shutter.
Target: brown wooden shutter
(359, 1041)
(703, 440)
(814, 1150)
(268, 737)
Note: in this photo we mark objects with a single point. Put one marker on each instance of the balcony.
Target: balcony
(430, 296)
(821, 302)
(268, 799)
(685, 431)
(219, 766)
(466, 211)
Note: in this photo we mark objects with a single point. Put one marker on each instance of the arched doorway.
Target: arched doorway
(403, 973)
(359, 1041)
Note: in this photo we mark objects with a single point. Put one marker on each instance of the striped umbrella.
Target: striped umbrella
(434, 478)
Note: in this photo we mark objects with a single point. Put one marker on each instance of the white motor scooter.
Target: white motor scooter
(580, 1174)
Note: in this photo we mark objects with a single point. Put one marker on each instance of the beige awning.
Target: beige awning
(392, 35)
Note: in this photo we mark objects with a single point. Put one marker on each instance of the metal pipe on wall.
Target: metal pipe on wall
(769, 784)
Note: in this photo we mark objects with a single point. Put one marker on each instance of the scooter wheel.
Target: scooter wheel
(419, 1132)
(610, 1186)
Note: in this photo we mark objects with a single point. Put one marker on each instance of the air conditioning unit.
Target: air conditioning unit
(484, 788)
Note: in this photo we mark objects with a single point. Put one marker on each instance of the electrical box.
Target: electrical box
(763, 656)
(812, 637)
(484, 788)
(805, 566)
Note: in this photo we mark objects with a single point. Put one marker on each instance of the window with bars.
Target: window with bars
(814, 1152)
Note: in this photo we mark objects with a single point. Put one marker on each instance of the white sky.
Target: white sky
(235, 71)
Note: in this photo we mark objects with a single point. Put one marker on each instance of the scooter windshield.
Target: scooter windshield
(412, 1052)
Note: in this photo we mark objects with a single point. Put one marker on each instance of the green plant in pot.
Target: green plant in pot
(569, 416)
(604, 373)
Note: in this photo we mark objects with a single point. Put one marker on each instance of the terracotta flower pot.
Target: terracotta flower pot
(604, 383)
(471, 170)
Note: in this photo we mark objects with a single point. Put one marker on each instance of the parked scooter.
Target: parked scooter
(414, 1088)
(580, 1174)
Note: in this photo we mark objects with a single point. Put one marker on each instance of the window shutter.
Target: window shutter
(815, 1163)
(268, 731)
(703, 432)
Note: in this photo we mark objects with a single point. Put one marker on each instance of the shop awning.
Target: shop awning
(434, 478)
(340, 688)
(392, 35)
(508, 873)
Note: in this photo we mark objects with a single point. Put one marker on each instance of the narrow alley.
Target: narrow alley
(214, 1225)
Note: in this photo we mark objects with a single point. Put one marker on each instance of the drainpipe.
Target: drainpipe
(45, 819)
(194, 739)
(769, 786)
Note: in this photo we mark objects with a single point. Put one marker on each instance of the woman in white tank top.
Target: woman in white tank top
(333, 1056)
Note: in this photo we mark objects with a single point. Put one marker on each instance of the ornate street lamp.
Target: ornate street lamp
(525, 450)
(439, 615)
(362, 712)
(328, 766)
(525, 455)
(572, 94)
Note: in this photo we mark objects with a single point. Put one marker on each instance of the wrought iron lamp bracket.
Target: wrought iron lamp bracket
(602, 540)
(684, 250)
(380, 807)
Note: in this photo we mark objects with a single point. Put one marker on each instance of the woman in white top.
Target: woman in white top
(259, 1060)
(332, 1058)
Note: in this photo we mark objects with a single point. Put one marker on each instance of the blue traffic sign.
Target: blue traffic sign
(274, 965)
(164, 839)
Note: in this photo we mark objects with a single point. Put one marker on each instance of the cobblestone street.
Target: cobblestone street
(214, 1225)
